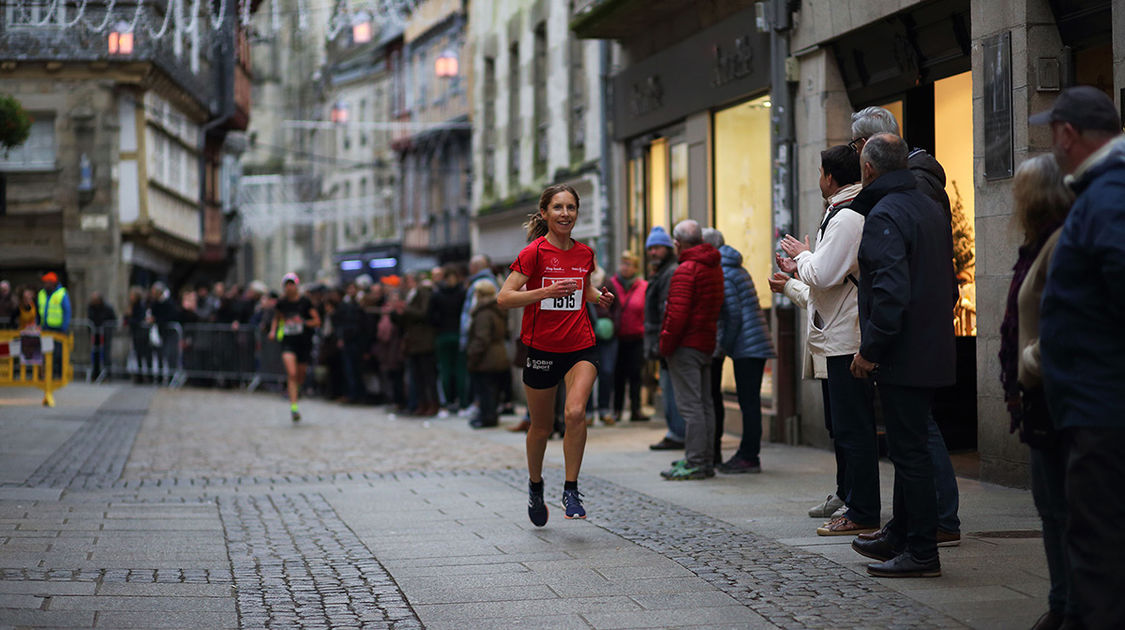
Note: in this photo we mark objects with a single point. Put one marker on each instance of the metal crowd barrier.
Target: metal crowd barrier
(175, 354)
(146, 353)
(28, 359)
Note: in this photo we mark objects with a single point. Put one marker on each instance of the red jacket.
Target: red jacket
(695, 297)
(631, 307)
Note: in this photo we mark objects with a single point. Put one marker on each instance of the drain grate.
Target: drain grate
(1008, 533)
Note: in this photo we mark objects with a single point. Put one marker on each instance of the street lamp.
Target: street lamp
(121, 39)
(361, 27)
(446, 65)
(339, 113)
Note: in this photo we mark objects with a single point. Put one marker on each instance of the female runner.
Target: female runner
(294, 319)
(555, 269)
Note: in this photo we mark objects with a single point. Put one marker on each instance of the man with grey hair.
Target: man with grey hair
(930, 179)
(687, 339)
(907, 292)
(927, 172)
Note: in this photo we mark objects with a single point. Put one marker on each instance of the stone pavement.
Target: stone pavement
(133, 507)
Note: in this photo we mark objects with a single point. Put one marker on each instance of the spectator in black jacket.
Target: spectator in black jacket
(104, 319)
(907, 292)
(445, 314)
(347, 320)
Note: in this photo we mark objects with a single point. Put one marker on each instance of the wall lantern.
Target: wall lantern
(446, 65)
(361, 27)
(339, 113)
(121, 39)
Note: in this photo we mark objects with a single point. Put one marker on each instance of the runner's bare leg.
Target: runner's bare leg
(541, 409)
(579, 382)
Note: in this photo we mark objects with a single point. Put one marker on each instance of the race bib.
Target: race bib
(294, 327)
(570, 302)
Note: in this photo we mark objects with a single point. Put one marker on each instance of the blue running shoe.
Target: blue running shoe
(536, 508)
(572, 503)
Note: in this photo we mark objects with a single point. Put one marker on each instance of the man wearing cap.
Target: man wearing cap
(1082, 345)
(54, 305)
(662, 261)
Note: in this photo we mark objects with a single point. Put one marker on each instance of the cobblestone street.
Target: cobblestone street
(129, 507)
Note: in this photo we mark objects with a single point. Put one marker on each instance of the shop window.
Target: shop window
(658, 184)
(678, 171)
(953, 110)
(636, 233)
(743, 205)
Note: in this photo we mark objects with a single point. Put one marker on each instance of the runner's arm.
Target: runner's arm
(314, 319)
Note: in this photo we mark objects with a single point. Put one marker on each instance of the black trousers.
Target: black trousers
(1095, 472)
(720, 408)
(627, 371)
(853, 429)
(906, 414)
(841, 459)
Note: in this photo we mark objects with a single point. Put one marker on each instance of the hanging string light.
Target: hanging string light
(362, 17)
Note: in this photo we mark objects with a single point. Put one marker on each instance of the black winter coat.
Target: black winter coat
(907, 289)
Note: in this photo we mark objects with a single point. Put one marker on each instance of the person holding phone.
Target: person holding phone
(550, 280)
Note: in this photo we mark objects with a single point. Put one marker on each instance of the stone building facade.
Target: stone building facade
(433, 145)
(537, 120)
(110, 189)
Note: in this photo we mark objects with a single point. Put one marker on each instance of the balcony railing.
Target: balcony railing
(81, 42)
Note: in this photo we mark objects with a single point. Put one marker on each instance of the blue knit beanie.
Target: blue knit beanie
(658, 237)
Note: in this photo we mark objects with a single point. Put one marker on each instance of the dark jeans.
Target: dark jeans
(487, 390)
(627, 373)
(351, 358)
(853, 429)
(394, 391)
(945, 479)
(1095, 468)
(720, 410)
(748, 383)
(607, 373)
(905, 413)
(1048, 488)
(841, 460)
(452, 374)
(423, 377)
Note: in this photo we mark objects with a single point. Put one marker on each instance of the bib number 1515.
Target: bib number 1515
(568, 302)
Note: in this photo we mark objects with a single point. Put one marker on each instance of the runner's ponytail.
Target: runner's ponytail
(536, 226)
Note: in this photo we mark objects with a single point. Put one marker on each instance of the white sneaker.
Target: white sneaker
(443, 414)
(840, 511)
(828, 508)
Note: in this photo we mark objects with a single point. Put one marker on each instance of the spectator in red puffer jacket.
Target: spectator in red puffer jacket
(687, 340)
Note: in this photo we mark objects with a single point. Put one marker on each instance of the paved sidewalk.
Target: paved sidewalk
(141, 508)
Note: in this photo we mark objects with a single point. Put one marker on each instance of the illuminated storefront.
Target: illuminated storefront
(697, 145)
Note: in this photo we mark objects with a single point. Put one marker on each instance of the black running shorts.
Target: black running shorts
(544, 370)
(300, 345)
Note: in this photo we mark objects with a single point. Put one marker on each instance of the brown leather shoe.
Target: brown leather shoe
(843, 526)
(948, 539)
(875, 535)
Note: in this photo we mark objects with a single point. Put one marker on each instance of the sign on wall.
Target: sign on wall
(998, 158)
(714, 67)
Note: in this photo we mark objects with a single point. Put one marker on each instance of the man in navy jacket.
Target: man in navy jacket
(1082, 342)
(907, 292)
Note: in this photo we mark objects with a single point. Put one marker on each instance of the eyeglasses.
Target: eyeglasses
(856, 144)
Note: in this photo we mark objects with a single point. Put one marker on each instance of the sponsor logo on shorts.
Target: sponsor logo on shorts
(543, 365)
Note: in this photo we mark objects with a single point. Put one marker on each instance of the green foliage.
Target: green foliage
(15, 124)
